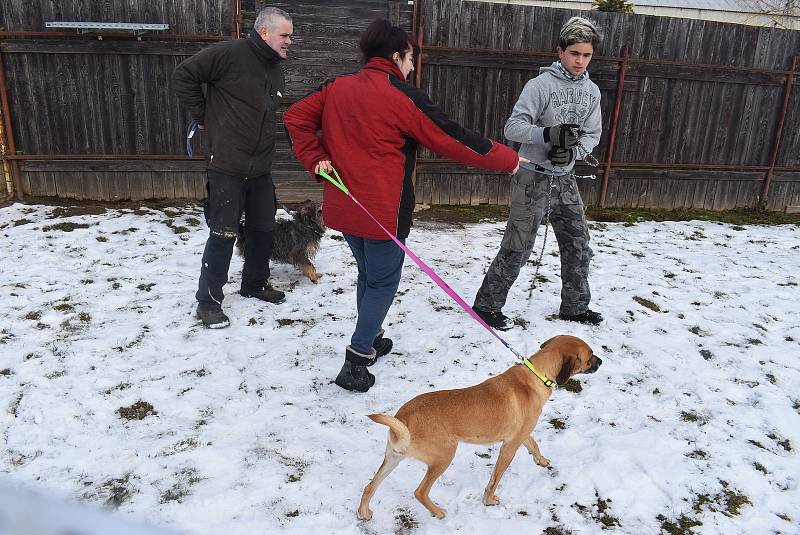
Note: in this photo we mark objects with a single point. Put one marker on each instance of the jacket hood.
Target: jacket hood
(561, 73)
(385, 65)
(262, 49)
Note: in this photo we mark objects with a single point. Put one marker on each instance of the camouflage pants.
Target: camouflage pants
(529, 191)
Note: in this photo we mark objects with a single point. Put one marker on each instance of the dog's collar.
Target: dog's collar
(549, 383)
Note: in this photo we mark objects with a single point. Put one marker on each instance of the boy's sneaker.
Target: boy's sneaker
(494, 319)
(590, 317)
(212, 316)
(382, 346)
(265, 293)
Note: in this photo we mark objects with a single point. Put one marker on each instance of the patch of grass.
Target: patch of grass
(6, 371)
(558, 423)
(697, 454)
(34, 315)
(680, 526)
(405, 522)
(65, 227)
(572, 385)
(138, 411)
(121, 386)
(22, 221)
(691, 416)
(706, 354)
(782, 442)
(669, 275)
(72, 211)
(772, 379)
(647, 303)
(556, 530)
(146, 287)
(85, 317)
(760, 467)
(64, 307)
(754, 341)
(117, 491)
(463, 213)
(521, 323)
(741, 216)
(293, 514)
(698, 331)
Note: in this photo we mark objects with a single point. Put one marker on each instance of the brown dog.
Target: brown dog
(504, 408)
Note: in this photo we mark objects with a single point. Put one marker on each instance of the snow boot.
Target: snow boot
(354, 374)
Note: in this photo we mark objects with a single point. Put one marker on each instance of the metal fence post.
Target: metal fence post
(761, 203)
(612, 141)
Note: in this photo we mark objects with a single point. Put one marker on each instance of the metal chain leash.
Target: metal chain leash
(590, 160)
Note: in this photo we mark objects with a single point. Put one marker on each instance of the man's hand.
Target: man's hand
(521, 160)
(562, 157)
(562, 135)
(323, 165)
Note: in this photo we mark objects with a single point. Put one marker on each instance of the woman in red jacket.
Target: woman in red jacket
(372, 123)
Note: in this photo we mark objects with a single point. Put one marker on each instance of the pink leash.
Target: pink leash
(422, 265)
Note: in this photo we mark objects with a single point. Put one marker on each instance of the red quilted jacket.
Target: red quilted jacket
(371, 124)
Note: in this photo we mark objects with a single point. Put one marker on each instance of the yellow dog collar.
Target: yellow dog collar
(549, 383)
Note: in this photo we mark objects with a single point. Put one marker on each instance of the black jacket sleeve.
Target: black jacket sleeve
(205, 67)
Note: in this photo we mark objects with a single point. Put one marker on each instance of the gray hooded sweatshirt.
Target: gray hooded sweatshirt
(554, 97)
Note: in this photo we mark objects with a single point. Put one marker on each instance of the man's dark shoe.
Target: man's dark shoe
(354, 374)
(265, 293)
(590, 317)
(494, 319)
(382, 346)
(212, 316)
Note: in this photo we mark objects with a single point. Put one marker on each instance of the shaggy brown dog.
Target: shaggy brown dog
(504, 408)
(295, 241)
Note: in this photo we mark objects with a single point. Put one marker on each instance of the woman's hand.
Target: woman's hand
(323, 165)
(521, 160)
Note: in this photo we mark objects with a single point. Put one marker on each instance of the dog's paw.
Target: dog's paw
(315, 279)
(439, 513)
(365, 514)
(542, 461)
(491, 499)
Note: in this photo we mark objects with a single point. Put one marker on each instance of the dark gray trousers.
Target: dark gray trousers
(529, 192)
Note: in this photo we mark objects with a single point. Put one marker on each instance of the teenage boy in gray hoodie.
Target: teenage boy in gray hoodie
(557, 120)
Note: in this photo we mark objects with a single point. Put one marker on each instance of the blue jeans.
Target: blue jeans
(380, 263)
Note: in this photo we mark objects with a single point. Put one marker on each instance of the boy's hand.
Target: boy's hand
(562, 157)
(562, 135)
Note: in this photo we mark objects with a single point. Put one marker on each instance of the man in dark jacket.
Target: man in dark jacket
(244, 84)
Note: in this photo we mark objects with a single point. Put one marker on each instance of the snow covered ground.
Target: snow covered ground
(693, 419)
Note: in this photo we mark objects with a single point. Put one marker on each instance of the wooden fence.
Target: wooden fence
(700, 106)
(97, 119)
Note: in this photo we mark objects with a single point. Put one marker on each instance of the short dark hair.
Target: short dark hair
(578, 30)
(382, 40)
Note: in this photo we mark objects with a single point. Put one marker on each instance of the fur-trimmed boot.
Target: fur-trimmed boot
(354, 374)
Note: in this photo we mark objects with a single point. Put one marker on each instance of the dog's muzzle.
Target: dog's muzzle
(597, 362)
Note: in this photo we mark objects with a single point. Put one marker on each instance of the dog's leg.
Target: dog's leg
(390, 462)
(310, 271)
(435, 469)
(507, 451)
(533, 449)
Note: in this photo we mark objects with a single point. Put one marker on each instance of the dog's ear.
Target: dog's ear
(566, 368)
(547, 342)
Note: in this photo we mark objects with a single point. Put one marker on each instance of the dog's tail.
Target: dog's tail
(399, 435)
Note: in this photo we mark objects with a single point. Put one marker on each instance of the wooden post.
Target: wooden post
(612, 138)
(8, 131)
(762, 200)
(420, 27)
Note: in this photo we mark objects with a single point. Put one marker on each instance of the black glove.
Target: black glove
(562, 157)
(562, 135)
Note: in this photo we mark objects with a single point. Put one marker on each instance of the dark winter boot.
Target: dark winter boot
(590, 317)
(265, 293)
(382, 346)
(354, 374)
(494, 319)
(212, 316)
